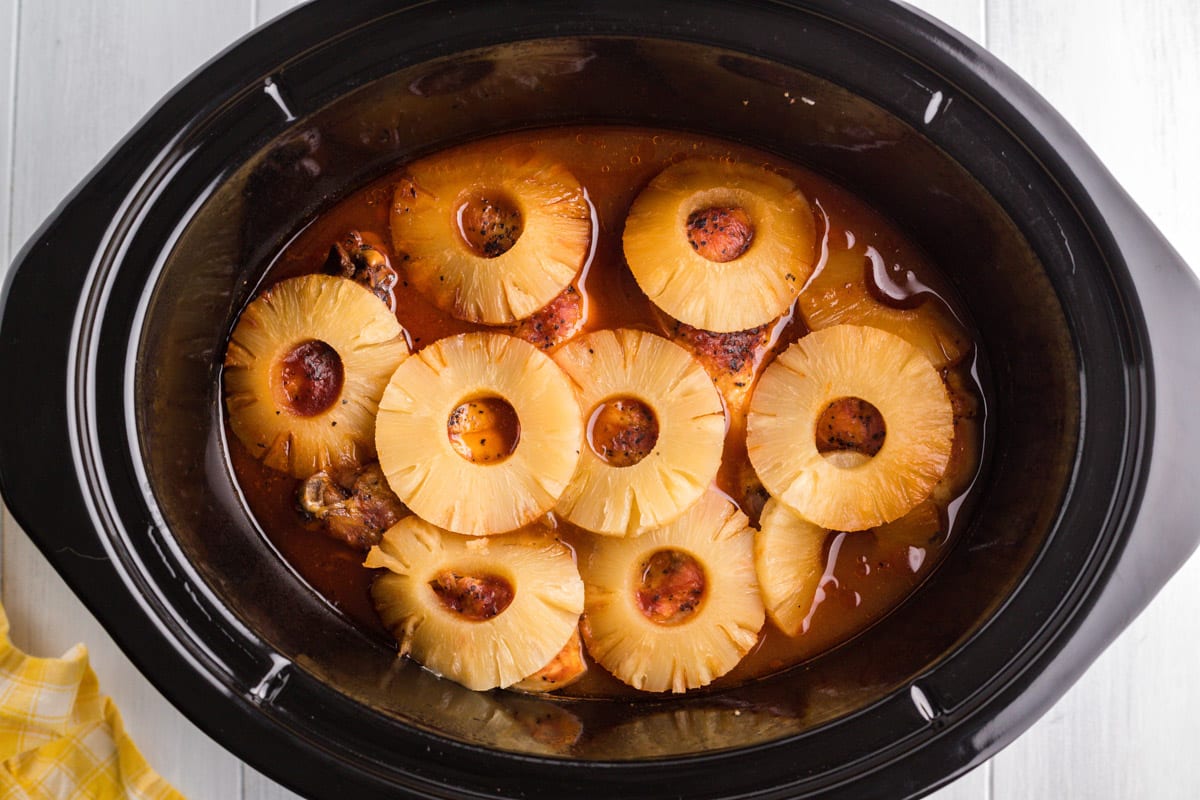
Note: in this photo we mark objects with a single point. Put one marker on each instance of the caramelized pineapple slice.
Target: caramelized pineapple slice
(790, 557)
(563, 670)
(830, 365)
(491, 240)
(655, 431)
(840, 294)
(719, 245)
(304, 371)
(479, 433)
(677, 607)
(484, 612)
(914, 529)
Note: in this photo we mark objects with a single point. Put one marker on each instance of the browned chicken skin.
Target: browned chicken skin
(720, 234)
(563, 670)
(623, 432)
(751, 495)
(671, 588)
(475, 597)
(850, 423)
(484, 431)
(356, 507)
(731, 359)
(964, 449)
(365, 264)
(311, 377)
(491, 227)
(558, 321)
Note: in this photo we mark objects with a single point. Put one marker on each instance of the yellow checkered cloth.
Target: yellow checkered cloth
(60, 738)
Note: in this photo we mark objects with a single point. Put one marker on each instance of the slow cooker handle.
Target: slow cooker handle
(39, 474)
(1167, 526)
(1165, 529)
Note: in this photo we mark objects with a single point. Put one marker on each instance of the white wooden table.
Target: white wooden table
(75, 75)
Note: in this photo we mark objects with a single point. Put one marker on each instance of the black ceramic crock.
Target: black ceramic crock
(115, 315)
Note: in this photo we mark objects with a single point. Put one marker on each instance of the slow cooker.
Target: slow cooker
(115, 316)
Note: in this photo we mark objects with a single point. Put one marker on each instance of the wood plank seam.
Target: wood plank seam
(983, 23)
(11, 155)
(10, 160)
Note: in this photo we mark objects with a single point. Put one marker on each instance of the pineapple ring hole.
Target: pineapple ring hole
(490, 223)
(477, 598)
(720, 233)
(622, 431)
(671, 587)
(309, 378)
(484, 430)
(850, 425)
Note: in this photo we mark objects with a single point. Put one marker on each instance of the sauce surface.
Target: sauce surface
(864, 577)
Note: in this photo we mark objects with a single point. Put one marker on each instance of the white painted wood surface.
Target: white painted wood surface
(8, 40)
(75, 75)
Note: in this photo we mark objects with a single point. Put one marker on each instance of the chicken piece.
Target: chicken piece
(671, 588)
(623, 431)
(730, 359)
(356, 509)
(363, 263)
(962, 394)
(720, 234)
(558, 321)
(563, 670)
(850, 423)
(751, 495)
(476, 598)
(965, 448)
(484, 431)
(491, 227)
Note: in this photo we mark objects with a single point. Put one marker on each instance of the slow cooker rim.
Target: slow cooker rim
(701, 757)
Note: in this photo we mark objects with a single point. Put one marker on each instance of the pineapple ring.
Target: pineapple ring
(850, 361)
(707, 643)
(789, 558)
(526, 269)
(615, 500)
(422, 464)
(838, 295)
(296, 314)
(750, 289)
(517, 641)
